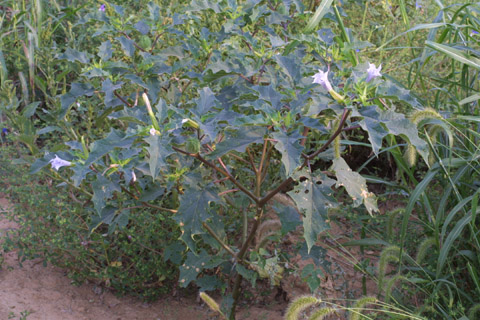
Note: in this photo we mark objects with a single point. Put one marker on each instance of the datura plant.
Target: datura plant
(216, 110)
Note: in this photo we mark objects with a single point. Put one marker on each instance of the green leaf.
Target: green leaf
(390, 89)
(73, 55)
(455, 54)
(200, 5)
(206, 101)
(29, 110)
(289, 218)
(247, 274)
(158, 152)
(193, 210)
(449, 242)
(318, 255)
(238, 140)
(397, 124)
(270, 95)
(355, 185)
(472, 98)
(105, 50)
(289, 146)
(127, 45)
(48, 129)
(194, 265)
(115, 139)
(142, 27)
(152, 193)
(108, 87)
(366, 242)
(371, 124)
(319, 13)
(290, 66)
(102, 189)
(313, 199)
(76, 90)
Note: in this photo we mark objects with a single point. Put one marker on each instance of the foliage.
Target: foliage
(54, 226)
(185, 125)
(201, 103)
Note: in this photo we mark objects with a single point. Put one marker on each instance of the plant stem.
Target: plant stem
(225, 173)
(220, 241)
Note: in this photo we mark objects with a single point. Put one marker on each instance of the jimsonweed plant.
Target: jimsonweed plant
(214, 117)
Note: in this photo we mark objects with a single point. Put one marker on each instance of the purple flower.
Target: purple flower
(57, 163)
(322, 78)
(4, 131)
(418, 4)
(473, 32)
(373, 72)
(102, 8)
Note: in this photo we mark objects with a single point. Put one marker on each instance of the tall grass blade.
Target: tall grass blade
(454, 234)
(318, 15)
(455, 54)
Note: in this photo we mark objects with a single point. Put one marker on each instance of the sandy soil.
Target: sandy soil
(46, 293)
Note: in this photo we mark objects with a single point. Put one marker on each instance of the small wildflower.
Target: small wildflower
(473, 32)
(134, 177)
(373, 72)
(58, 162)
(4, 131)
(418, 4)
(322, 78)
(154, 132)
(102, 8)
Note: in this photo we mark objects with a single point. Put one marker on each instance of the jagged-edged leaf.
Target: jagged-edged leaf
(200, 5)
(206, 101)
(108, 87)
(195, 264)
(115, 139)
(270, 95)
(371, 124)
(127, 45)
(194, 208)
(142, 27)
(152, 193)
(105, 50)
(79, 173)
(73, 55)
(355, 184)
(76, 90)
(289, 146)
(158, 152)
(313, 198)
(397, 124)
(103, 189)
(111, 216)
(317, 254)
(289, 65)
(390, 89)
(239, 140)
(289, 218)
